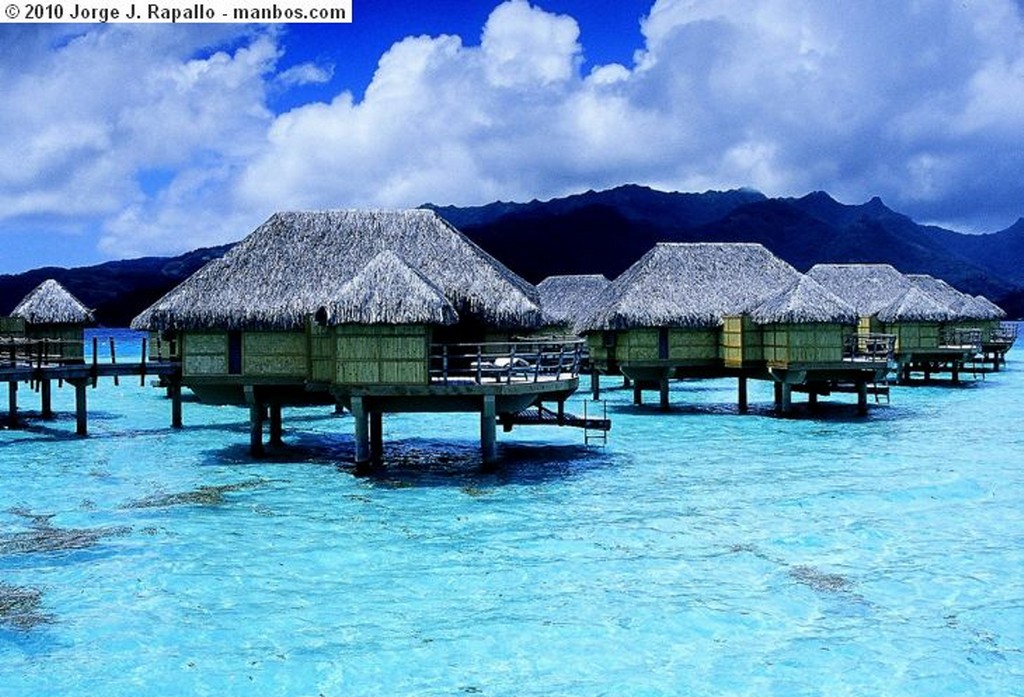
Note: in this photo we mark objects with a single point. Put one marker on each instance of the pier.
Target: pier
(38, 363)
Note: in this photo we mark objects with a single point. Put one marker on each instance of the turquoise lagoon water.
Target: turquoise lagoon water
(700, 552)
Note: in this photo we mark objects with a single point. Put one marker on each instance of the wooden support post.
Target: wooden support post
(276, 427)
(777, 390)
(663, 394)
(174, 392)
(46, 399)
(81, 408)
(257, 414)
(638, 394)
(626, 382)
(362, 431)
(488, 430)
(741, 389)
(113, 359)
(376, 436)
(862, 397)
(595, 384)
(786, 397)
(561, 412)
(12, 403)
(142, 365)
(812, 399)
(956, 371)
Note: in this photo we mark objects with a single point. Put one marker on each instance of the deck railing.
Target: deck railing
(955, 338)
(1005, 333)
(505, 362)
(20, 352)
(866, 347)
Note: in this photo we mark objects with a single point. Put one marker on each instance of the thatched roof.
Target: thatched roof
(689, 285)
(962, 305)
(389, 291)
(51, 303)
(297, 262)
(804, 301)
(994, 310)
(869, 288)
(916, 306)
(565, 299)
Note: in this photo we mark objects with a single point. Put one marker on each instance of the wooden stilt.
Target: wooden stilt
(956, 371)
(174, 392)
(376, 436)
(786, 404)
(488, 430)
(257, 414)
(777, 391)
(276, 429)
(741, 389)
(812, 399)
(663, 394)
(81, 408)
(362, 431)
(595, 384)
(862, 397)
(46, 399)
(626, 382)
(12, 403)
(638, 394)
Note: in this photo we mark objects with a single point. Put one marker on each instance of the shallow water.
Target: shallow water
(700, 552)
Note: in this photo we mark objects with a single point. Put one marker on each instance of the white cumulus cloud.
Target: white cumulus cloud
(165, 141)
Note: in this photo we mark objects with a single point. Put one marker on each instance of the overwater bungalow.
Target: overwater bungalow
(662, 318)
(375, 311)
(978, 321)
(52, 315)
(889, 302)
(1002, 336)
(806, 338)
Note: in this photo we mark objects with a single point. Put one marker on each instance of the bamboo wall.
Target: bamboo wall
(914, 336)
(382, 355)
(275, 354)
(12, 326)
(787, 344)
(322, 364)
(742, 342)
(204, 353)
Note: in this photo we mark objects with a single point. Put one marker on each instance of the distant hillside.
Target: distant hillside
(606, 231)
(117, 290)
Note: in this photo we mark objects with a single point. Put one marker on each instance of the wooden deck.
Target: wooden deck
(40, 362)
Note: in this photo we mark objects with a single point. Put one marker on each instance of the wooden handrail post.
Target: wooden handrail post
(479, 364)
(113, 359)
(142, 365)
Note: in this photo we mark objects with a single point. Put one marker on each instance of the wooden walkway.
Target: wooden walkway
(40, 362)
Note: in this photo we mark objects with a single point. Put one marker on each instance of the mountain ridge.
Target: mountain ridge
(606, 231)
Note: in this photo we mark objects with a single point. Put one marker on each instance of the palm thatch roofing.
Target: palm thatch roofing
(389, 291)
(689, 286)
(916, 306)
(996, 311)
(804, 301)
(298, 262)
(869, 288)
(52, 303)
(962, 305)
(565, 299)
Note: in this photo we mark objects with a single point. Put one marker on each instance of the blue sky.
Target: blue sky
(130, 140)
